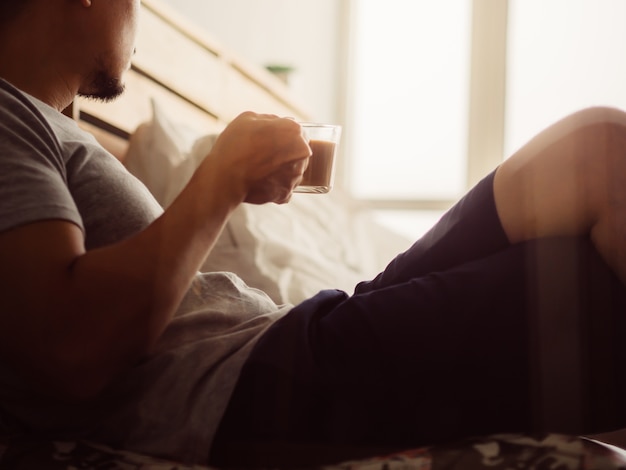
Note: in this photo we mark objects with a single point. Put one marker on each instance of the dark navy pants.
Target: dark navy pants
(446, 343)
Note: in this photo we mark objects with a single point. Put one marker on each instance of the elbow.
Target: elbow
(54, 376)
(82, 365)
(81, 389)
(79, 376)
(72, 384)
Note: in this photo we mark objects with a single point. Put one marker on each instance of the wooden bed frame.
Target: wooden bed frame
(191, 75)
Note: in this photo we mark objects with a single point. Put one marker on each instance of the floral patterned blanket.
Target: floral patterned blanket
(497, 452)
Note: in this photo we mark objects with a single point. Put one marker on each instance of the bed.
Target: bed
(182, 89)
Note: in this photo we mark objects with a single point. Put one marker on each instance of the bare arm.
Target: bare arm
(71, 320)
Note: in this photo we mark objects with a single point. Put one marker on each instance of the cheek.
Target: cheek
(128, 19)
(126, 43)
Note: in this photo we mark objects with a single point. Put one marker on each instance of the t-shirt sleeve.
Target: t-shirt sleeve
(33, 184)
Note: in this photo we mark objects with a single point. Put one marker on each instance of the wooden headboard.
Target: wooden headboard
(191, 75)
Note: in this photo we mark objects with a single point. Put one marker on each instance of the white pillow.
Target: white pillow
(310, 244)
(164, 155)
(289, 251)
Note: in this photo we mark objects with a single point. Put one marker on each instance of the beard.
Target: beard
(102, 86)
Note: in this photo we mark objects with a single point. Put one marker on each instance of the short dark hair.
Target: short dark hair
(9, 9)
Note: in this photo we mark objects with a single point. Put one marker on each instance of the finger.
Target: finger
(300, 166)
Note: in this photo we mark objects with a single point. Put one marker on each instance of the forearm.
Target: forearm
(131, 289)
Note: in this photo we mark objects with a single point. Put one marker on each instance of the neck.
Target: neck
(29, 61)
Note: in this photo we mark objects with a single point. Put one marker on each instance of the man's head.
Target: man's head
(56, 49)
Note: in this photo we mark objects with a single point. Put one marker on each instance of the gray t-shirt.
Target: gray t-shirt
(169, 404)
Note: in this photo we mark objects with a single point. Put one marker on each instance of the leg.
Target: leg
(325, 381)
(438, 358)
(470, 230)
(566, 181)
(570, 180)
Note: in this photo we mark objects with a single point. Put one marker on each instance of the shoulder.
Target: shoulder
(16, 103)
(33, 176)
(23, 127)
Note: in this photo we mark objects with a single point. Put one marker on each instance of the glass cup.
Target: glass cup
(323, 140)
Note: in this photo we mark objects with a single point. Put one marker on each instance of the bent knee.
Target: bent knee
(601, 114)
(597, 136)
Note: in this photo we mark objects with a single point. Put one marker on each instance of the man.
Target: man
(107, 333)
(62, 263)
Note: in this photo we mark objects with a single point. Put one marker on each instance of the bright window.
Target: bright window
(410, 90)
(408, 110)
(563, 55)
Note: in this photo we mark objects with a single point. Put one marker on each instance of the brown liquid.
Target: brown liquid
(320, 169)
